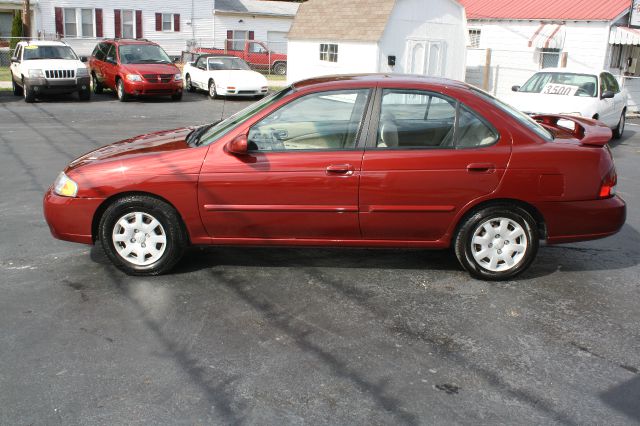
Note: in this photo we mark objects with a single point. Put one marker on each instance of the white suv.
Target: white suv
(40, 67)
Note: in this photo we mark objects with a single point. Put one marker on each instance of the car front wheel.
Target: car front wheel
(122, 94)
(212, 89)
(188, 84)
(497, 242)
(142, 235)
(97, 86)
(29, 94)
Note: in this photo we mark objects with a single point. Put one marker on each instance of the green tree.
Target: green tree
(16, 30)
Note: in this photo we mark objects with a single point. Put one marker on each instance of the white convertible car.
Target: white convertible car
(223, 75)
(573, 92)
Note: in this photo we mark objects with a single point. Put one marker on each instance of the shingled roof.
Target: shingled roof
(354, 20)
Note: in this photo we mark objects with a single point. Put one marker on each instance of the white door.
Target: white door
(425, 57)
(277, 41)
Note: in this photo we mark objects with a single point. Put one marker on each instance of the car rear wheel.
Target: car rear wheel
(97, 87)
(176, 97)
(187, 82)
(142, 235)
(212, 89)
(497, 242)
(17, 90)
(619, 130)
(122, 94)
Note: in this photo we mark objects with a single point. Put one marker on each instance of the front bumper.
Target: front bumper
(570, 221)
(242, 91)
(146, 88)
(58, 85)
(70, 219)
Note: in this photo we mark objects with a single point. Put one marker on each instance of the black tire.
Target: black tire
(619, 130)
(97, 86)
(188, 85)
(17, 90)
(29, 95)
(170, 223)
(280, 68)
(465, 248)
(212, 89)
(84, 95)
(176, 97)
(120, 92)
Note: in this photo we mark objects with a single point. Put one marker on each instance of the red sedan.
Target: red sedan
(357, 161)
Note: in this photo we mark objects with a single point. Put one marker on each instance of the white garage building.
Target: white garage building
(359, 36)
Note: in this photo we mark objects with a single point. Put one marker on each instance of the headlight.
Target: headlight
(36, 73)
(134, 77)
(177, 77)
(82, 72)
(65, 186)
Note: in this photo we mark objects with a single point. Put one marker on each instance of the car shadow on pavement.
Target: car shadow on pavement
(619, 252)
(625, 398)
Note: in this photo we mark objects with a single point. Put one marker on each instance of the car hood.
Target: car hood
(151, 68)
(539, 103)
(53, 64)
(238, 77)
(145, 152)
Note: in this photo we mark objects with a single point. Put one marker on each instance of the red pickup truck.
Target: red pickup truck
(256, 54)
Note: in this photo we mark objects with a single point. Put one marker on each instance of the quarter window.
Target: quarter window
(319, 121)
(329, 52)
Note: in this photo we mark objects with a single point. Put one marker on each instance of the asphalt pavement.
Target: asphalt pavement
(297, 336)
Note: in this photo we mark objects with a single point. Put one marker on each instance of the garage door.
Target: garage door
(277, 41)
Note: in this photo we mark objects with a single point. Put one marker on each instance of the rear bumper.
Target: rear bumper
(53, 86)
(145, 88)
(571, 221)
(70, 219)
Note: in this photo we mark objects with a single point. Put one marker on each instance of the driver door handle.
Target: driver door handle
(481, 167)
(340, 169)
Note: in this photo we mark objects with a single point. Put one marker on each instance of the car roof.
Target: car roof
(378, 78)
(130, 41)
(572, 71)
(42, 43)
(217, 55)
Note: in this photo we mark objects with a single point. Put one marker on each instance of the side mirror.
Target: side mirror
(238, 146)
(607, 94)
(176, 60)
(83, 59)
(111, 59)
(515, 88)
(14, 59)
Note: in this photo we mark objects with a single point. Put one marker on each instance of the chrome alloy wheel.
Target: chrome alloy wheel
(499, 244)
(139, 238)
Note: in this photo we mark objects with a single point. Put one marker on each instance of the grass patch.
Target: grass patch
(5, 74)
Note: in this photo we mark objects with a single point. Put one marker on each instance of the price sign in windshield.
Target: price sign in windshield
(559, 89)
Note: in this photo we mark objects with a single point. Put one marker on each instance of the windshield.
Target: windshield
(143, 54)
(226, 125)
(521, 117)
(227, 64)
(562, 83)
(48, 52)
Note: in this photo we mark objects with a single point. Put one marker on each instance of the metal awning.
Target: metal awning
(548, 36)
(624, 35)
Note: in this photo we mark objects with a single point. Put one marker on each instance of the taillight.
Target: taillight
(608, 186)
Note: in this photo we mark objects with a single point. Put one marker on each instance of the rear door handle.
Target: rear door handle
(340, 169)
(481, 167)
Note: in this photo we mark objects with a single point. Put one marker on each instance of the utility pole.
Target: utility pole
(26, 18)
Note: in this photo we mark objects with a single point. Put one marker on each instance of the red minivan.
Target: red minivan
(134, 68)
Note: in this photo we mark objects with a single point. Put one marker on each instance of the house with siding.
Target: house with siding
(360, 36)
(175, 25)
(523, 38)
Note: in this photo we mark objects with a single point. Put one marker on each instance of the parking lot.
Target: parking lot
(297, 336)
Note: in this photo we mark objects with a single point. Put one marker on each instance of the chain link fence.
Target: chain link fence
(496, 71)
